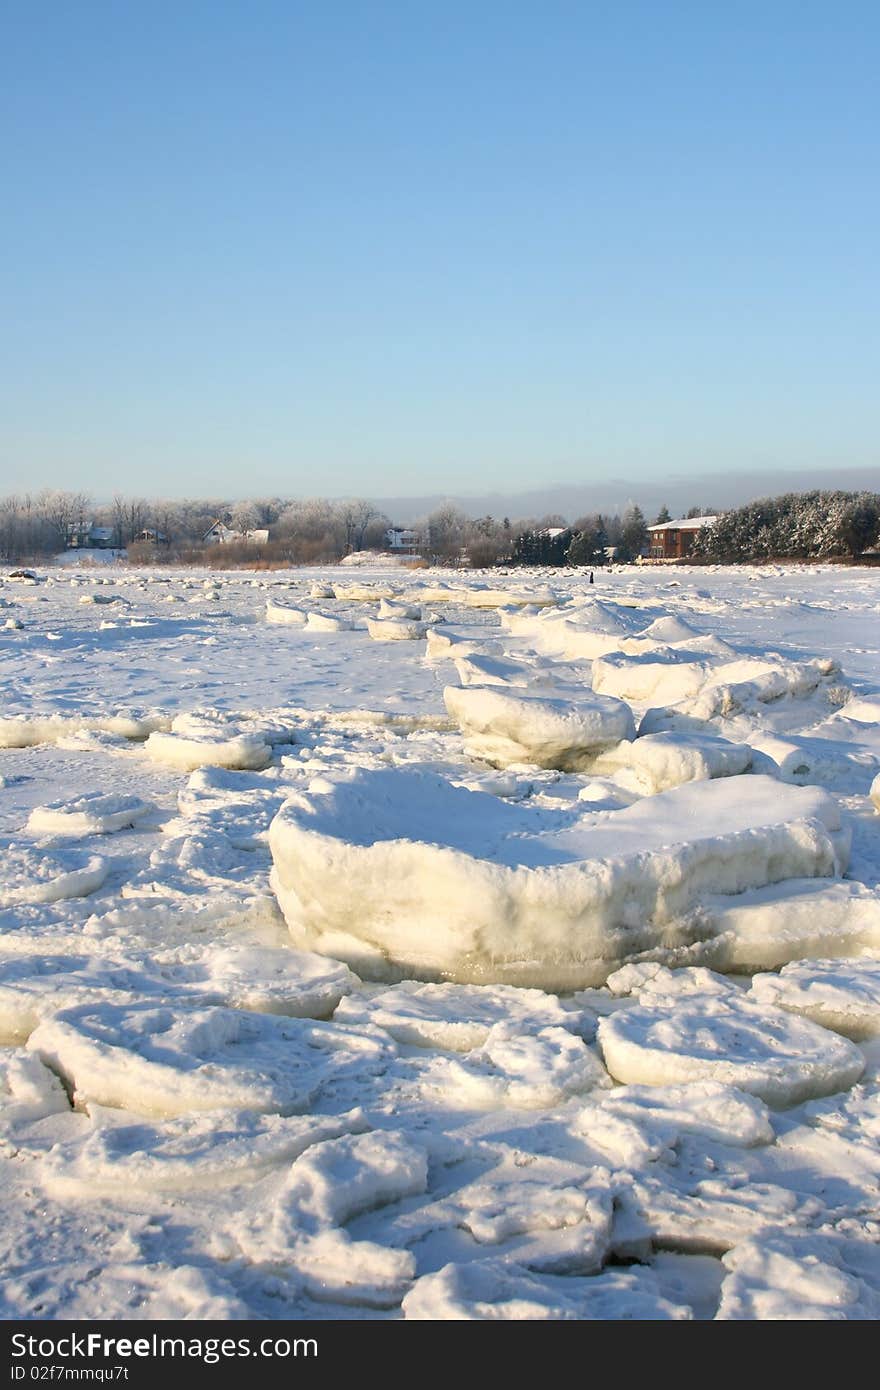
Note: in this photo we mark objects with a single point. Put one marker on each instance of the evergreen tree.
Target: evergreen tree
(634, 533)
(797, 526)
(586, 545)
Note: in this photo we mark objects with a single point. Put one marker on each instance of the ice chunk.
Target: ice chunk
(33, 986)
(865, 711)
(92, 814)
(444, 645)
(334, 1268)
(479, 669)
(25, 731)
(29, 875)
(563, 734)
(396, 629)
(801, 1277)
(337, 1180)
(207, 1150)
(632, 1124)
(454, 1017)
(364, 592)
(493, 1289)
(486, 890)
(581, 634)
(208, 739)
(28, 1089)
(390, 608)
(530, 1071)
(694, 1034)
(483, 597)
(168, 1061)
(131, 724)
(767, 928)
(266, 979)
(670, 630)
(705, 677)
(665, 675)
(791, 758)
(328, 622)
(656, 762)
(557, 1227)
(330, 1184)
(842, 995)
(284, 614)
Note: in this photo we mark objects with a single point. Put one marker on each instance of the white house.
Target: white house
(401, 540)
(221, 534)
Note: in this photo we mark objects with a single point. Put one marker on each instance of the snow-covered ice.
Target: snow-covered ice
(692, 1026)
(464, 885)
(843, 996)
(504, 728)
(172, 1060)
(379, 942)
(92, 814)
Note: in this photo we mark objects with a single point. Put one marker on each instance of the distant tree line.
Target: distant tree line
(307, 531)
(312, 531)
(36, 525)
(592, 541)
(796, 526)
(320, 531)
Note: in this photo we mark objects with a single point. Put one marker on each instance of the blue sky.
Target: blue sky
(399, 248)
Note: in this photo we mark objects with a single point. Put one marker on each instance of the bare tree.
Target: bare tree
(315, 530)
(244, 516)
(61, 512)
(374, 533)
(130, 517)
(356, 516)
(446, 531)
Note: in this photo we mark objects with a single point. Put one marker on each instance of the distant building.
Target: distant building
(150, 537)
(402, 541)
(674, 540)
(221, 534)
(83, 536)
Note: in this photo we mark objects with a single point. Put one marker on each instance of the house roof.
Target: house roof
(686, 523)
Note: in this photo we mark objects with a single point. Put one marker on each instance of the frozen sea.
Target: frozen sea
(388, 943)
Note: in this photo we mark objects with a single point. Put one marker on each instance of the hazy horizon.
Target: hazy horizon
(678, 493)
